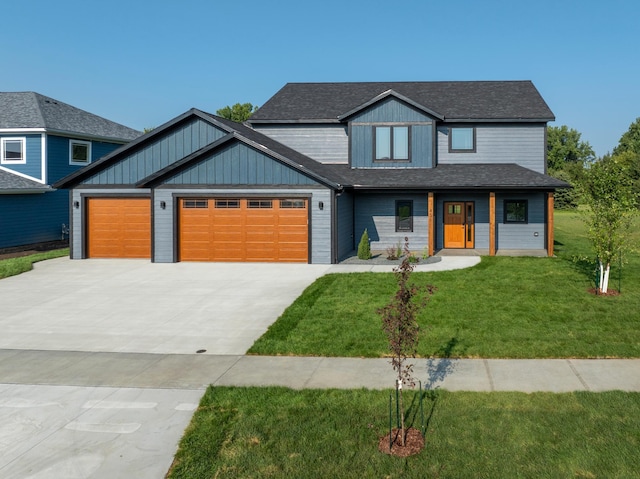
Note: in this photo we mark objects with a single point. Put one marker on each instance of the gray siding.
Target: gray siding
(177, 144)
(376, 213)
(521, 236)
(165, 221)
(500, 143)
(344, 210)
(77, 229)
(239, 164)
(323, 143)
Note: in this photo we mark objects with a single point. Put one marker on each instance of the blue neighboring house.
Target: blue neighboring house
(41, 141)
(454, 166)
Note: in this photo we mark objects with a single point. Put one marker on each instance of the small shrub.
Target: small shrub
(364, 248)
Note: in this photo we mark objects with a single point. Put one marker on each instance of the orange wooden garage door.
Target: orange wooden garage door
(119, 228)
(244, 229)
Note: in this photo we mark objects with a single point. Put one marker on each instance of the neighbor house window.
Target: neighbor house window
(404, 215)
(13, 150)
(391, 143)
(79, 152)
(462, 140)
(515, 211)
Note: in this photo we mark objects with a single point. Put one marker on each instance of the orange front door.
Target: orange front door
(459, 230)
(244, 229)
(119, 228)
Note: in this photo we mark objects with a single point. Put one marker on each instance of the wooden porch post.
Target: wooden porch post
(550, 224)
(432, 225)
(492, 224)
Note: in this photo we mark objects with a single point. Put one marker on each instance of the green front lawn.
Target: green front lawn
(13, 266)
(281, 433)
(506, 307)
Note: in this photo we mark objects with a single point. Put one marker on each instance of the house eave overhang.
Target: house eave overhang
(294, 121)
(25, 191)
(498, 120)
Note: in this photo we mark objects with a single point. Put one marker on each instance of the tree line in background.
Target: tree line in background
(609, 188)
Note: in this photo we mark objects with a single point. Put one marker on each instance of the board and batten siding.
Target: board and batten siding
(176, 144)
(78, 228)
(239, 164)
(376, 213)
(499, 143)
(323, 143)
(165, 221)
(344, 210)
(388, 112)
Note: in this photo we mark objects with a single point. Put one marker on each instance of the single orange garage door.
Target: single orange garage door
(119, 228)
(244, 229)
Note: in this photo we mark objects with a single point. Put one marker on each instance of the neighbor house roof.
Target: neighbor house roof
(22, 110)
(11, 183)
(450, 101)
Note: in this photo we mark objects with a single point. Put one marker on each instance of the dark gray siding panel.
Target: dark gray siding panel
(239, 164)
(376, 213)
(362, 148)
(520, 144)
(344, 210)
(390, 110)
(323, 143)
(173, 146)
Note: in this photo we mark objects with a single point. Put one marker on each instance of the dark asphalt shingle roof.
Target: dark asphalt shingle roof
(33, 110)
(469, 176)
(455, 101)
(10, 182)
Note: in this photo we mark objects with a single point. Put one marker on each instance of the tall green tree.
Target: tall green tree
(565, 149)
(238, 112)
(630, 140)
(611, 199)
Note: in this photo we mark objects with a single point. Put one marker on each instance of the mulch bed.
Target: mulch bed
(26, 250)
(610, 292)
(413, 444)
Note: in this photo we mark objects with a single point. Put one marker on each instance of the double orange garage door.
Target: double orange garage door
(209, 229)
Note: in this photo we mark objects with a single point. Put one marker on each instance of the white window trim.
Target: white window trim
(79, 142)
(3, 141)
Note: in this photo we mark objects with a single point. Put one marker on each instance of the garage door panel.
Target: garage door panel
(237, 232)
(119, 228)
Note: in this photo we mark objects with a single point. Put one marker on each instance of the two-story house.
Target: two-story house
(450, 165)
(41, 141)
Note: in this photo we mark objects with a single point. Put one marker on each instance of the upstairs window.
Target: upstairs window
(404, 216)
(391, 143)
(12, 150)
(515, 211)
(79, 152)
(462, 140)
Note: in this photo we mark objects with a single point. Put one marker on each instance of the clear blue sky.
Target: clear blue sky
(141, 63)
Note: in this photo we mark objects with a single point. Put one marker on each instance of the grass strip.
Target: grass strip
(14, 266)
(281, 433)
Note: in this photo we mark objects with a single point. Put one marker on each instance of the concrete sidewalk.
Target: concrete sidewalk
(189, 372)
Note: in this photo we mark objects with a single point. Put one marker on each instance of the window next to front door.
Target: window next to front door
(404, 216)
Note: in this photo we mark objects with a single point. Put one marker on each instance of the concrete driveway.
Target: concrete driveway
(141, 307)
(76, 402)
